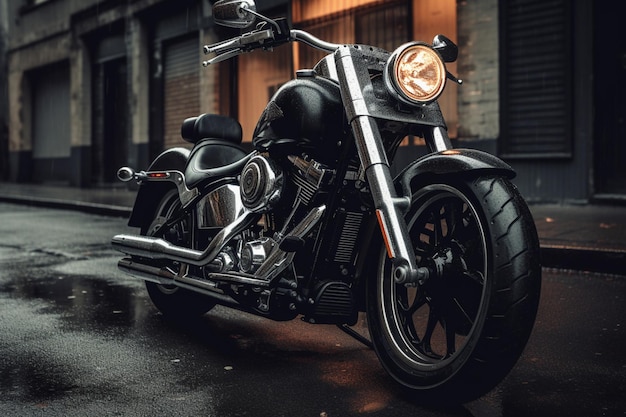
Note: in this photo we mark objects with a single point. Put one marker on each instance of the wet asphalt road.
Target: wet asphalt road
(78, 337)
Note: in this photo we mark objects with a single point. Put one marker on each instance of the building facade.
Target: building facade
(93, 85)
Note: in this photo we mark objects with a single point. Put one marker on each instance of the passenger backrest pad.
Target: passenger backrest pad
(211, 126)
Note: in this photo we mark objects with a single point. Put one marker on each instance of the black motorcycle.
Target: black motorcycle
(443, 259)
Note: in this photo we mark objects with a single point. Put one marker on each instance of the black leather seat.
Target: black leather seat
(216, 152)
(211, 159)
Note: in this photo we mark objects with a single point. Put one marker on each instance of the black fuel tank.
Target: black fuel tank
(306, 115)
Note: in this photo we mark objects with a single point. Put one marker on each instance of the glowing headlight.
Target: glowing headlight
(415, 73)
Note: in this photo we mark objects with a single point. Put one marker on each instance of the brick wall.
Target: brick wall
(478, 68)
(181, 101)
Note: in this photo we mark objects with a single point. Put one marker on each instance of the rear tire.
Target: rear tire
(171, 300)
(457, 336)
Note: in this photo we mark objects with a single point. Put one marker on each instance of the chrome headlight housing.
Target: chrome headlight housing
(415, 74)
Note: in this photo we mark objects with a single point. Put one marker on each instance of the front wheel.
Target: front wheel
(455, 337)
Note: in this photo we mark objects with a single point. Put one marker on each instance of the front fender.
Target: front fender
(449, 162)
(465, 162)
(150, 193)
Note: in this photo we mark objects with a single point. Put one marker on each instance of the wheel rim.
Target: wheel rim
(434, 325)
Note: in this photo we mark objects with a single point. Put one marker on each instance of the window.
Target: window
(386, 27)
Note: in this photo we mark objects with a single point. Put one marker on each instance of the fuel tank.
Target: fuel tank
(304, 115)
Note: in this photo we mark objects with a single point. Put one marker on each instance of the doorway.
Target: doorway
(111, 124)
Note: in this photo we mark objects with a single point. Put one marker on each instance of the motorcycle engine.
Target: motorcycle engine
(285, 193)
(263, 185)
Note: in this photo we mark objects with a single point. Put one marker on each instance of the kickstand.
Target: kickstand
(350, 332)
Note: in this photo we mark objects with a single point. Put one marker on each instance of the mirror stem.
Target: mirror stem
(263, 18)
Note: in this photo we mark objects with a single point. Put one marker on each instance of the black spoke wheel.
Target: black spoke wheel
(457, 335)
(172, 300)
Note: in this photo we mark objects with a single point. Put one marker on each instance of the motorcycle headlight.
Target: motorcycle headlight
(415, 73)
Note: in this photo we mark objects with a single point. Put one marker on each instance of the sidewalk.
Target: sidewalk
(110, 202)
(579, 237)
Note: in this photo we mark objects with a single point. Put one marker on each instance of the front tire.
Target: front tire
(456, 336)
(171, 300)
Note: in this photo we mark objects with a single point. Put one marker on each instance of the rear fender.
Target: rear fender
(150, 193)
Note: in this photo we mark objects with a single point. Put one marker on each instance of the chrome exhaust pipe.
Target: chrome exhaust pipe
(153, 248)
(157, 248)
(165, 276)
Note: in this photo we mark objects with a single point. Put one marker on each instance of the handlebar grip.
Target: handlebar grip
(265, 37)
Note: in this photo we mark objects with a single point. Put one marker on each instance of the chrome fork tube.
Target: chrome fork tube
(389, 207)
(439, 141)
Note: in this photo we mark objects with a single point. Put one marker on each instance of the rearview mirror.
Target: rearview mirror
(234, 13)
(448, 50)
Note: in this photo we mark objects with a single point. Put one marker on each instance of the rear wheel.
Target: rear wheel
(169, 299)
(456, 336)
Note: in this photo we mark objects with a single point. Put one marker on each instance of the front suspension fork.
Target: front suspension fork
(389, 207)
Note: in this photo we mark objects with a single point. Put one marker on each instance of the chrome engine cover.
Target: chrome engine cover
(261, 184)
(254, 253)
(220, 207)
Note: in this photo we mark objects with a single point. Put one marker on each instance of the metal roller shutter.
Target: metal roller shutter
(181, 86)
(51, 122)
(536, 79)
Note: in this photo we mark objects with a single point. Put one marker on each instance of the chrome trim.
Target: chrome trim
(157, 248)
(376, 167)
(275, 263)
(394, 85)
(220, 207)
(369, 144)
(261, 184)
(254, 253)
(159, 276)
(185, 195)
(278, 259)
(441, 141)
(326, 68)
(239, 278)
(165, 276)
(350, 87)
(307, 38)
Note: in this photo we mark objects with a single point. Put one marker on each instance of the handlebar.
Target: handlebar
(307, 38)
(266, 38)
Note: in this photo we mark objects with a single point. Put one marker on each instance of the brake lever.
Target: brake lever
(223, 57)
(222, 47)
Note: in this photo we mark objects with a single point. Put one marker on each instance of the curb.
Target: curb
(91, 208)
(597, 260)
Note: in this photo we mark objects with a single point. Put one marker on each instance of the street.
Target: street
(78, 337)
